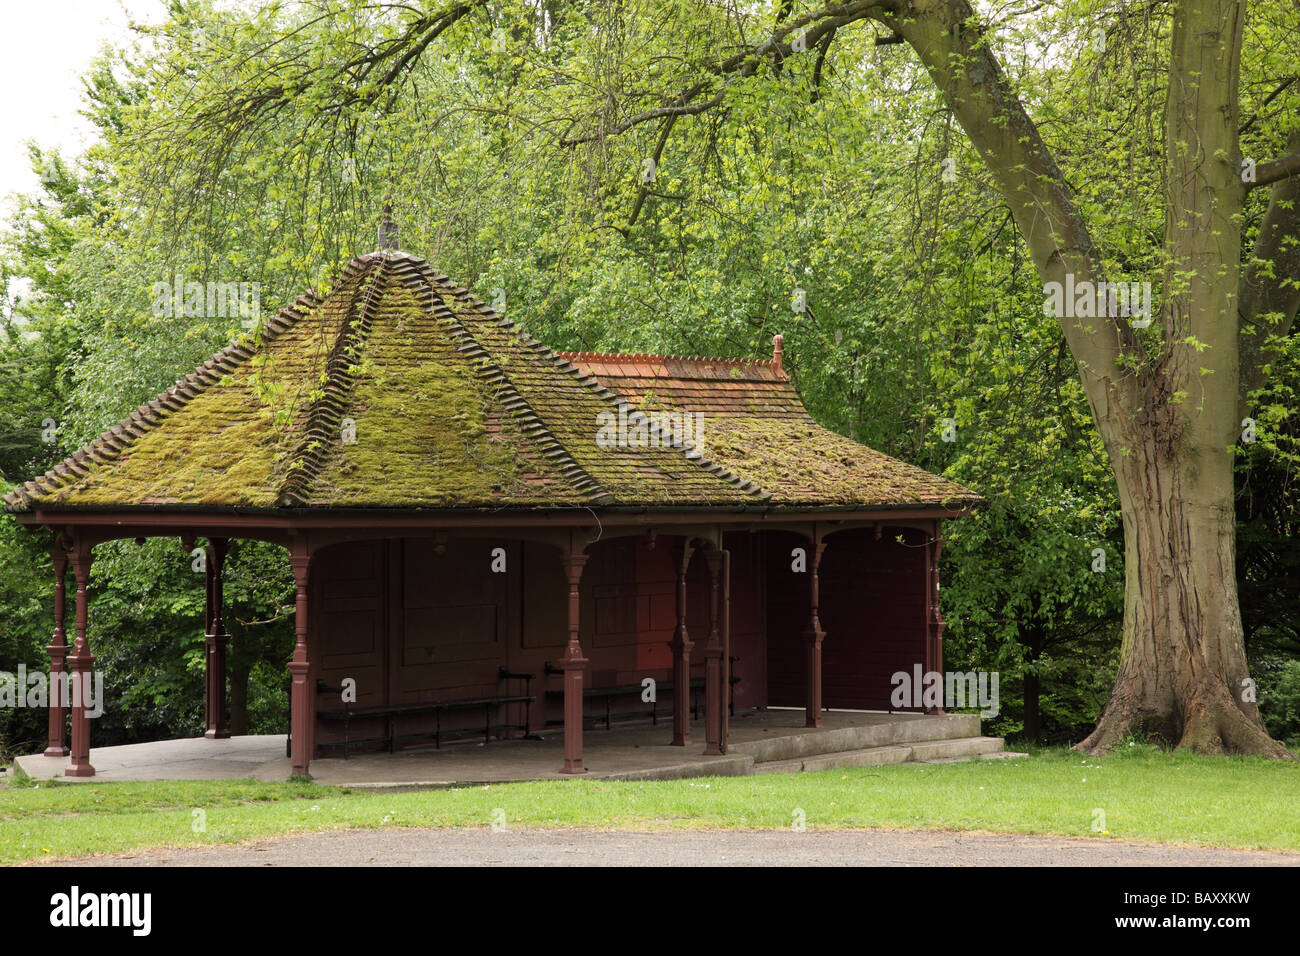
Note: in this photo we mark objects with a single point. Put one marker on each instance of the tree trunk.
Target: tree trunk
(1033, 725)
(238, 672)
(1033, 729)
(1182, 662)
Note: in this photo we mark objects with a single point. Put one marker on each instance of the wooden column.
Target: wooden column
(215, 642)
(573, 665)
(934, 624)
(681, 647)
(302, 698)
(58, 651)
(714, 697)
(726, 649)
(82, 662)
(813, 636)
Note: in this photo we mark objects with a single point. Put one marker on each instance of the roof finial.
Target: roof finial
(387, 231)
(776, 355)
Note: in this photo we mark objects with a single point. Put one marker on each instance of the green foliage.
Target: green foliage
(261, 145)
(1278, 692)
(26, 593)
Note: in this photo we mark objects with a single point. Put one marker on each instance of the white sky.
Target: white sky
(44, 47)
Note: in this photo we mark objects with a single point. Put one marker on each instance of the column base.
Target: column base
(57, 751)
(573, 714)
(217, 735)
(85, 770)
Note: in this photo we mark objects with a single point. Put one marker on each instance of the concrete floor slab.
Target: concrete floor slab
(632, 752)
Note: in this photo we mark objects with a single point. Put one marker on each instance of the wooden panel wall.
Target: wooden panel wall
(748, 617)
(872, 610)
(873, 613)
(410, 624)
(349, 621)
(787, 615)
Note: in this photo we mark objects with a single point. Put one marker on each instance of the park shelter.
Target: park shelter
(490, 538)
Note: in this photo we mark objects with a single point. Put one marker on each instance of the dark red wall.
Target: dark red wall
(748, 618)
(787, 616)
(873, 613)
(410, 624)
(872, 609)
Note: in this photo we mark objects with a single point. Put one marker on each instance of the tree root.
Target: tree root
(1213, 726)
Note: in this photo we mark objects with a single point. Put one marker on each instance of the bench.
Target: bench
(424, 709)
(610, 692)
(436, 708)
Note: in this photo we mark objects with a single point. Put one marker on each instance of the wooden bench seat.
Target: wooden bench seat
(608, 693)
(391, 714)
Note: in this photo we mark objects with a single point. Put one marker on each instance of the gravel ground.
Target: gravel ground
(520, 847)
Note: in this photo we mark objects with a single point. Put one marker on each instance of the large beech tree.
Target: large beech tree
(1169, 409)
(1168, 400)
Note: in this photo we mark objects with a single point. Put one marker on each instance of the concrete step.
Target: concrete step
(740, 765)
(886, 733)
(959, 749)
(924, 751)
(870, 757)
(995, 755)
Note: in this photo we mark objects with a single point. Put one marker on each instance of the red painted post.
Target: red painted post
(939, 624)
(681, 646)
(82, 662)
(934, 621)
(207, 598)
(714, 700)
(215, 641)
(58, 651)
(302, 700)
(573, 665)
(813, 636)
(726, 649)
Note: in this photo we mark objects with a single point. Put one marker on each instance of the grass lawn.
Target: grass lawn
(1144, 793)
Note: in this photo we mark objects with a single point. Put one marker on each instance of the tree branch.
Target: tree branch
(1270, 285)
(1281, 87)
(1275, 171)
(813, 27)
(822, 49)
(950, 44)
(654, 159)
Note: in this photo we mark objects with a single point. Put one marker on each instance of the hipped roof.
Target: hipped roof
(400, 390)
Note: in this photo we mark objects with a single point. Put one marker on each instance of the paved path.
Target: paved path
(485, 847)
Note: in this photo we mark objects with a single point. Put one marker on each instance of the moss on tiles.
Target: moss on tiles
(224, 446)
(432, 428)
(427, 432)
(219, 449)
(570, 410)
(803, 462)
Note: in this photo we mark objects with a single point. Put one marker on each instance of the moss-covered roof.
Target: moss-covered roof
(399, 390)
(752, 422)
